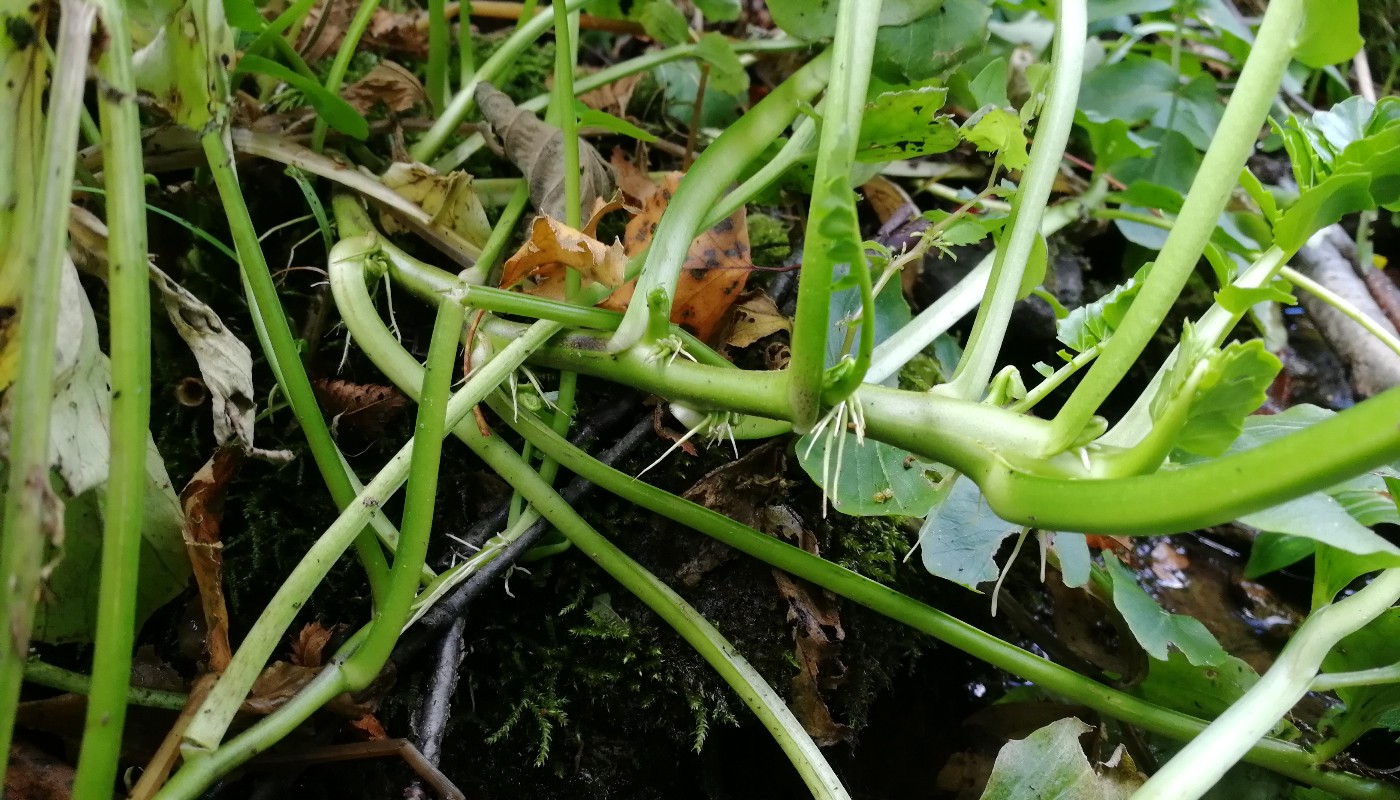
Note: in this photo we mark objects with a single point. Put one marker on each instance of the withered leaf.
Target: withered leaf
(537, 149)
(715, 271)
(449, 199)
(753, 318)
(387, 31)
(203, 503)
(366, 407)
(388, 83)
(309, 648)
(636, 185)
(612, 97)
(553, 244)
(34, 774)
(369, 727)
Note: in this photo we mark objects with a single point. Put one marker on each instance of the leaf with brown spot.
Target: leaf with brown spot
(203, 502)
(389, 84)
(753, 318)
(309, 648)
(449, 199)
(715, 270)
(553, 245)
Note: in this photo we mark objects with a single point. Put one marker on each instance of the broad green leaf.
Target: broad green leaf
(1094, 323)
(182, 68)
(719, 10)
(1329, 201)
(1270, 552)
(812, 20)
(1172, 164)
(243, 14)
(1111, 141)
(989, 87)
(930, 46)
(1050, 765)
(663, 22)
(680, 82)
(960, 537)
(1198, 690)
(1321, 519)
(874, 479)
(333, 109)
(996, 130)
(906, 124)
(727, 74)
(594, 118)
(1330, 33)
(1238, 300)
(1377, 644)
(1233, 387)
(891, 313)
(1141, 89)
(1155, 629)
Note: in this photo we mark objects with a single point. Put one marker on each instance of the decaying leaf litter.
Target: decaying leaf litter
(554, 678)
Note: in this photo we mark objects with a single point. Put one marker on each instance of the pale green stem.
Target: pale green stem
(1023, 227)
(1200, 764)
(1331, 681)
(1343, 305)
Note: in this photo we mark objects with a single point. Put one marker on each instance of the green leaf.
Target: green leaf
(1075, 561)
(663, 22)
(1201, 691)
(1094, 323)
(594, 118)
(1377, 644)
(1271, 552)
(989, 87)
(1233, 387)
(1036, 263)
(1141, 89)
(727, 74)
(928, 47)
(812, 20)
(1330, 33)
(906, 124)
(1326, 203)
(1238, 300)
(680, 82)
(333, 109)
(243, 15)
(1050, 765)
(874, 479)
(719, 10)
(1111, 141)
(960, 538)
(182, 70)
(996, 130)
(1320, 518)
(1154, 628)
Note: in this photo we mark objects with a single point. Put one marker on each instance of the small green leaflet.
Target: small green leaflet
(998, 130)
(1092, 324)
(719, 10)
(663, 22)
(1377, 644)
(601, 119)
(1155, 629)
(727, 74)
(1050, 765)
(336, 112)
(1330, 33)
(1233, 387)
(906, 124)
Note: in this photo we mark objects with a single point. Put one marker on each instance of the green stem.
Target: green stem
(129, 328)
(33, 222)
(703, 186)
(1199, 765)
(1054, 381)
(1281, 757)
(1210, 189)
(833, 231)
(364, 12)
(64, 680)
(1343, 305)
(464, 101)
(466, 49)
(438, 37)
(1332, 681)
(1023, 227)
(282, 351)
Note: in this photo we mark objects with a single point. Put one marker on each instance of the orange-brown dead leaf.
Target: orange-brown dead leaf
(203, 502)
(387, 30)
(715, 270)
(35, 774)
(753, 318)
(309, 648)
(612, 97)
(635, 183)
(552, 246)
(369, 727)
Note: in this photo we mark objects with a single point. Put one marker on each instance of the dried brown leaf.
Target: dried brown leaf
(537, 149)
(369, 727)
(389, 84)
(553, 245)
(387, 31)
(613, 97)
(753, 318)
(715, 270)
(33, 774)
(309, 648)
(636, 185)
(203, 502)
(366, 407)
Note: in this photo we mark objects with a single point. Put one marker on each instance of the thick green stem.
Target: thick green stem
(1199, 765)
(1219, 171)
(33, 227)
(703, 186)
(130, 345)
(438, 38)
(262, 297)
(833, 232)
(1281, 757)
(1023, 227)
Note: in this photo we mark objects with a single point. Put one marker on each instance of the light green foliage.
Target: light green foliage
(719, 10)
(1330, 33)
(1050, 765)
(183, 66)
(1365, 707)
(1155, 629)
(1200, 690)
(906, 124)
(727, 74)
(869, 478)
(1230, 390)
(816, 19)
(962, 535)
(593, 118)
(933, 45)
(663, 22)
(1094, 323)
(996, 130)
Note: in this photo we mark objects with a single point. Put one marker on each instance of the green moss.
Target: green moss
(768, 240)
(921, 374)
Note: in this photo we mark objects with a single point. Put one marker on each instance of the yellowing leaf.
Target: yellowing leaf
(553, 244)
(754, 318)
(448, 198)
